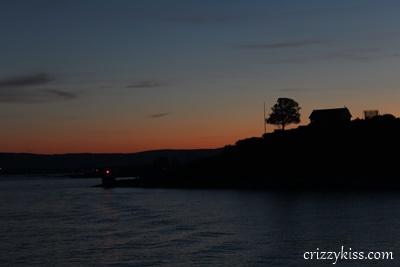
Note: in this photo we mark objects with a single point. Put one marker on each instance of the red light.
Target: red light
(107, 171)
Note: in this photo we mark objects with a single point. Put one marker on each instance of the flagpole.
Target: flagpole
(265, 124)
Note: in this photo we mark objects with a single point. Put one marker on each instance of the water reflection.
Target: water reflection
(67, 222)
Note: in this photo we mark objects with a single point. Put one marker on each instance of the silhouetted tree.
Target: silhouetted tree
(284, 112)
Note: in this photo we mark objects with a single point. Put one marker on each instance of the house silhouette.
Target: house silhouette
(332, 116)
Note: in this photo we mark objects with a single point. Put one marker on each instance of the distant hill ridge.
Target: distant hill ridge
(76, 162)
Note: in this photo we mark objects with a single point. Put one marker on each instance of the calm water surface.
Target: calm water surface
(66, 222)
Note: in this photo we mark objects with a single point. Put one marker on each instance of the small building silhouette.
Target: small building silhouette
(332, 116)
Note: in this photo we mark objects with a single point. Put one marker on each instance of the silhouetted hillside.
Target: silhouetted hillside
(361, 154)
(19, 163)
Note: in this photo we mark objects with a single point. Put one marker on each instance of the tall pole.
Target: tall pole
(265, 124)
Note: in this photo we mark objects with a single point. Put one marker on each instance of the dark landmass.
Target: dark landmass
(86, 164)
(353, 155)
(357, 155)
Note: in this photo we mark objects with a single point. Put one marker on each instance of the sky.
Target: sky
(127, 76)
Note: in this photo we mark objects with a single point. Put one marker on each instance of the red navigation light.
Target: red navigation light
(108, 171)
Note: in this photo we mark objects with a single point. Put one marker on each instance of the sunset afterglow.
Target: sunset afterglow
(127, 76)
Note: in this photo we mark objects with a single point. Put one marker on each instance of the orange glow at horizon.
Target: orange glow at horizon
(130, 142)
(93, 78)
(209, 131)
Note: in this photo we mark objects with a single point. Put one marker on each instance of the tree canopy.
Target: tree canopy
(284, 112)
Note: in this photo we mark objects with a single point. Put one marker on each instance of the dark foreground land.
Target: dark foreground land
(360, 155)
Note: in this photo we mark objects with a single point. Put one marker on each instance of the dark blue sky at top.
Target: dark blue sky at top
(69, 35)
(191, 61)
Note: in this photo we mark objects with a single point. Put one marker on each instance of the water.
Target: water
(66, 222)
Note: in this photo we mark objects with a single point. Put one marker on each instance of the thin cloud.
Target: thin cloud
(281, 45)
(31, 88)
(203, 18)
(357, 55)
(158, 115)
(60, 94)
(26, 80)
(145, 84)
(35, 96)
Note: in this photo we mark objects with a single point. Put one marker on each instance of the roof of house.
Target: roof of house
(332, 113)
